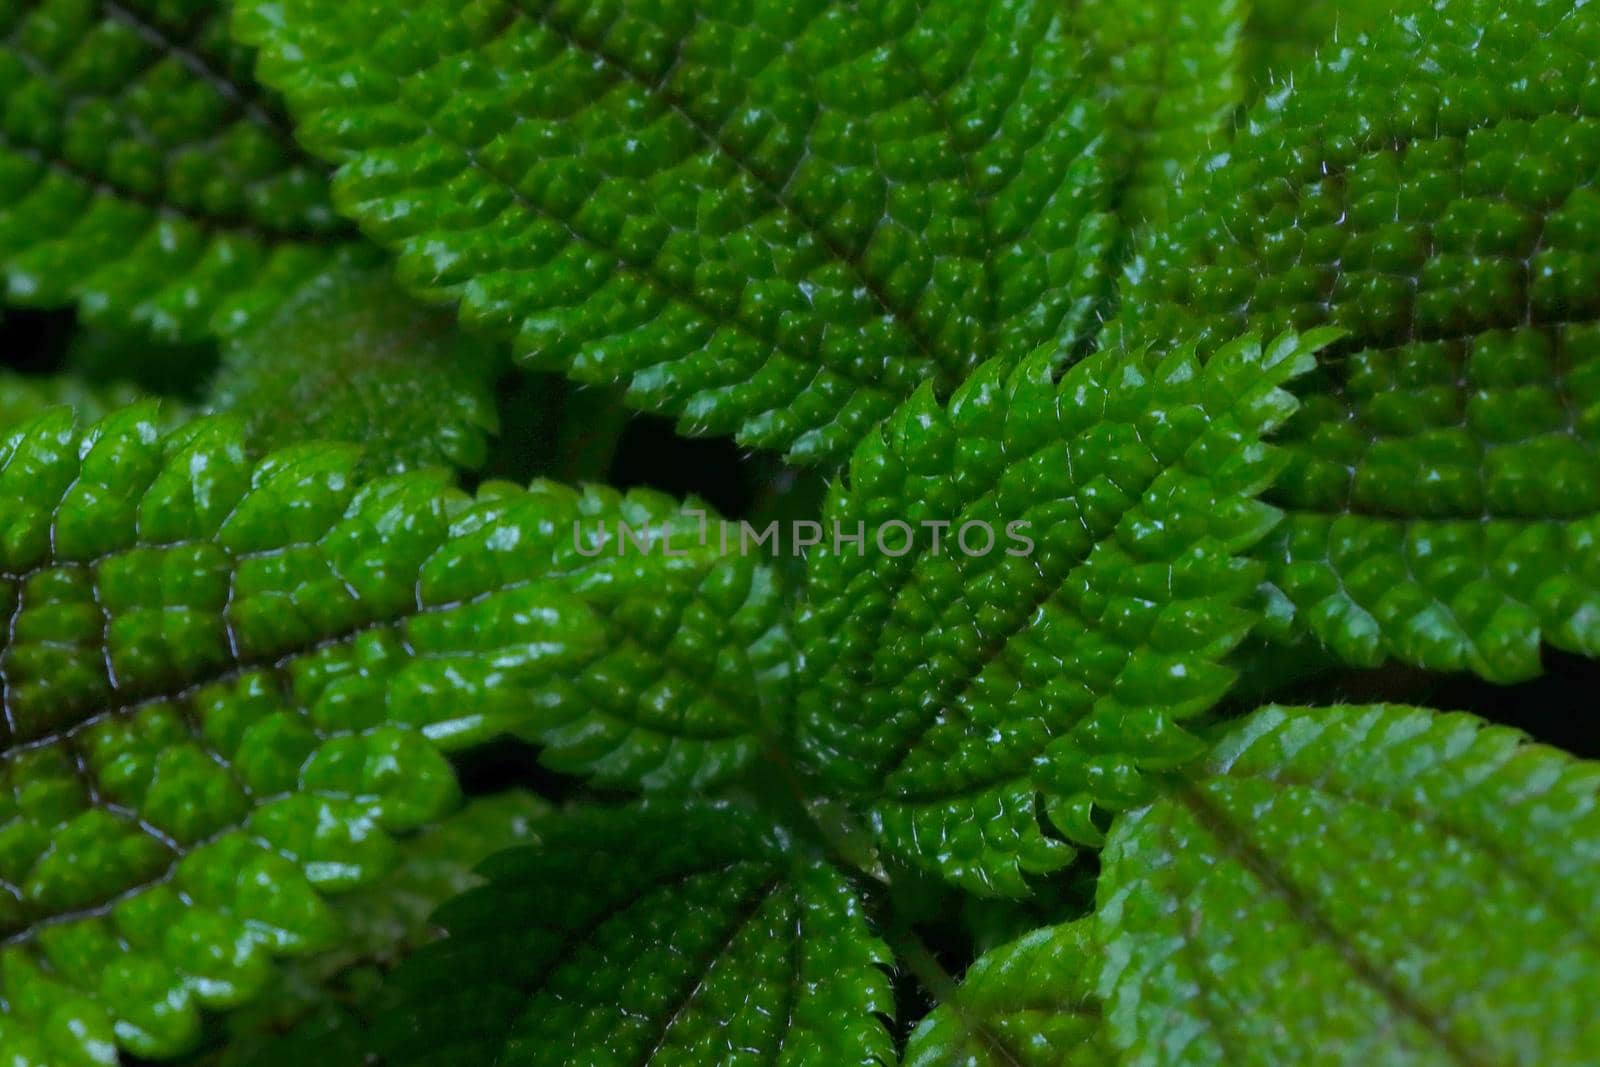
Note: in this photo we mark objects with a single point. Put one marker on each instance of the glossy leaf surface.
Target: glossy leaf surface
(227, 684)
(1077, 603)
(766, 218)
(144, 177)
(1170, 74)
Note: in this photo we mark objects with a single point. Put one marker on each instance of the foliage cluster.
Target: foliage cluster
(361, 706)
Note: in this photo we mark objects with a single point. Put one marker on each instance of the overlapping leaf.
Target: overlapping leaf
(1360, 885)
(143, 176)
(661, 935)
(226, 684)
(1029, 1003)
(1433, 190)
(349, 357)
(955, 675)
(767, 218)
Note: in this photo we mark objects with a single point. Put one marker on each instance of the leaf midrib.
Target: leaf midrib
(1215, 821)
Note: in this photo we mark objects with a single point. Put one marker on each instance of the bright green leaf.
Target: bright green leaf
(349, 357)
(226, 685)
(660, 935)
(143, 176)
(1078, 603)
(1359, 885)
(1029, 1003)
(767, 218)
(1434, 189)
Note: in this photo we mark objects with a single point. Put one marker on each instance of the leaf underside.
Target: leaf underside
(1359, 885)
(660, 935)
(767, 218)
(950, 690)
(144, 178)
(1443, 491)
(226, 685)
(349, 357)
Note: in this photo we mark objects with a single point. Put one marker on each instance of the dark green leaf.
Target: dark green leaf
(1169, 71)
(143, 176)
(318, 1011)
(1283, 36)
(1359, 885)
(349, 357)
(659, 935)
(24, 397)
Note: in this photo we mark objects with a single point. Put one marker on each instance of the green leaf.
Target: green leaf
(648, 936)
(226, 684)
(766, 218)
(350, 357)
(1082, 596)
(23, 397)
(1359, 885)
(1169, 71)
(143, 177)
(1444, 485)
(1029, 1003)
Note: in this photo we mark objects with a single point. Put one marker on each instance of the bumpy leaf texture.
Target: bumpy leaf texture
(350, 357)
(1029, 1003)
(659, 935)
(765, 217)
(1433, 190)
(1169, 71)
(1360, 885)
(143, 176)
(954, 676)
(227, 684)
